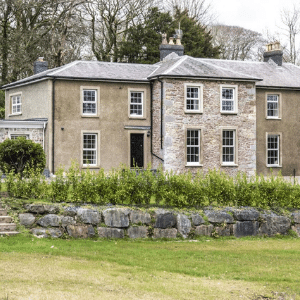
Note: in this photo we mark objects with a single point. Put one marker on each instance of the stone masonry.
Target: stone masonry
(210, 122)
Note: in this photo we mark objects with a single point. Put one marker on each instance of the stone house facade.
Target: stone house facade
(183, 113)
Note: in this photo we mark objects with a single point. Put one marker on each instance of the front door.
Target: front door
(136, 150)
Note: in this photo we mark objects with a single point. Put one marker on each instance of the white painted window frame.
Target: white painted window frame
(96, 149)
(138, 104)
(200, 97)
(97, 100)
(234, 146)
(278, 149)
(235, 99)
(278, 117)
(14, 97)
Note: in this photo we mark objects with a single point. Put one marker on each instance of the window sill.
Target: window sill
(193, 112)
(274, 166)
(16, 114)
(90, 167)
(89, 116)
(194, 165)
(137, 117)
(274, 118)
(228, 113)
(229, 165)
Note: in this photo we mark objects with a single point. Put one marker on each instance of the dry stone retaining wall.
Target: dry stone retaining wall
(53, 221)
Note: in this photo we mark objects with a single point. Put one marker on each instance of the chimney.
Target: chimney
(167, 48)
(274, 52)
(40, 65)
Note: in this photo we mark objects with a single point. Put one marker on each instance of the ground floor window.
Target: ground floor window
(15, 136)
(90, 149)
(273, 153)
(193, 146)
(228, 147)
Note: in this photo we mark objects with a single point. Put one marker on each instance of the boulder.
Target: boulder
(170, 233)
(26, 219)
(204, 230)
(296, 217)
(219, 217)
(35, 208)
(78, 231)
(137, 232)
(89, 216)
(246, 214)
(66, 220)
(70, 211)
(110, 233)
(49, 220)
(197, 220)
(116, 217)
(51, 209)
(246, 228)
(43, 232)
(224, 230)
(183, 225)
(164, 219)
(272, 225)
(140, 217)
(296, 228)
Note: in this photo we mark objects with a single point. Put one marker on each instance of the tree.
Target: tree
(237, 43)
(21, 154)
(142, 43)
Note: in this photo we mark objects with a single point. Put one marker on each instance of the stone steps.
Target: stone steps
(7, 227)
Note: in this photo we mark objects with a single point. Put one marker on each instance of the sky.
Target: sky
(257, 15)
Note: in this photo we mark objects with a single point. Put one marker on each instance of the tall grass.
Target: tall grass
(140, 187)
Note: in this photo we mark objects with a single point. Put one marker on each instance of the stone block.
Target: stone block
(219, 217)
(272, 225)
(197, 220)
(137, 232)
(204, 230)
(51, 209)
(140, 217)
(89, 216)
(110, 233)
(246, 214)
(116, 217)
(183, 225)
(78, 231)
(296, 228)
(224, 230)
(164, 219)
(43, 232)
(26, 219)
(35, 208)
(70, 211)
(245, 228)
(67, 220)
(296, 217)
(169, 233)
(49, 220)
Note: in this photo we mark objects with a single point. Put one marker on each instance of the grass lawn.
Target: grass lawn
(32, 268)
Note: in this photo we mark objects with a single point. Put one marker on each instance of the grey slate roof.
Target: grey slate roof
(264, 73)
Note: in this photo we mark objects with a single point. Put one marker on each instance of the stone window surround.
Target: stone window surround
(235, 98)
(20, 133)
(193, 127)
(279, 106)
(279, 165)
(97, 132)
(144, 103)
(11, 105)
(97, 89)
(235, 163)
(200, 86)
(144, 132)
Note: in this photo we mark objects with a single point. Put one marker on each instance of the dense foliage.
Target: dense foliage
(19, 155)
(129, 186)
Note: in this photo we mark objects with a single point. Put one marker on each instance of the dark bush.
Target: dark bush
(20, 155)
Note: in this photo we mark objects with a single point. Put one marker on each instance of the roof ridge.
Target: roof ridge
(62, 68)
(178, 63)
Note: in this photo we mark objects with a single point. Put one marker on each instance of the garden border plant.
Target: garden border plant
(144, 187)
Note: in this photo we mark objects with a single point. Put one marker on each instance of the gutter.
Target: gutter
(53, 118)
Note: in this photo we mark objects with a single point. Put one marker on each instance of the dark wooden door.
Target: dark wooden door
(137, 150)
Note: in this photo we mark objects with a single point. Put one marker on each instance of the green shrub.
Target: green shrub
(20, 154)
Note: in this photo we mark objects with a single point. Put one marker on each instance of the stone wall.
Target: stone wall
(78, 222)
(210, 122)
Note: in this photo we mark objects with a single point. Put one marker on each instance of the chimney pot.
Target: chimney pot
(274, 52)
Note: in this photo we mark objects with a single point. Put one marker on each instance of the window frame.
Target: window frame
(233, 163)
(12, 105)
(97, 149)
(143, 93)
(278, 117)
(200, 98)
(200, 147)
(235, 98)
(279, 149)
(97, 101)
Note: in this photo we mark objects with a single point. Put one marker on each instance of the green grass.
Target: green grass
(203, 269)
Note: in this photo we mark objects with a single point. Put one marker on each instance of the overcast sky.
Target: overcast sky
(257, 15)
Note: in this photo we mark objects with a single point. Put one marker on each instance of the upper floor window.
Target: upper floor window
(136, 104)
(89, 101)
(193, 147)
(193, 98)
(16, 104)
(228, 99)
(272, 106)
(229, 147)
